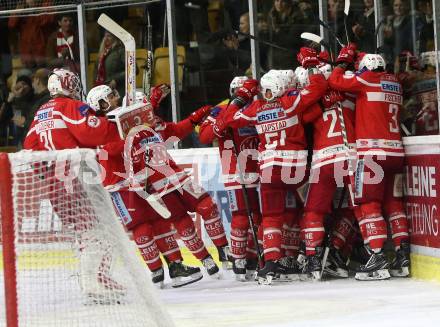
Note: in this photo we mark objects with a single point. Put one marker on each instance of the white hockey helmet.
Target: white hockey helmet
(139, 97)
(97, 94)
(273, 82)
(302, 76)
(372, 61)
(64, 82)
(326, 70)
(237, 81)
(290, 78)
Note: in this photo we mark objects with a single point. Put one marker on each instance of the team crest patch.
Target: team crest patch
(93, 121)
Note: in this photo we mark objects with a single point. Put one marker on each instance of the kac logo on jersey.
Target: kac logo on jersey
(270, 115)
(44, 114)
(93, 121)
(391, 87)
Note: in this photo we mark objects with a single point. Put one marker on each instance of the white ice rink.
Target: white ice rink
(395, 302)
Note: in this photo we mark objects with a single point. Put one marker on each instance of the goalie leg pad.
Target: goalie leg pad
(188, 234)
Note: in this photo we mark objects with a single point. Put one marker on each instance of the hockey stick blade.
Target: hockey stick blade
(113, 27)
(311, 37)
(346, 7)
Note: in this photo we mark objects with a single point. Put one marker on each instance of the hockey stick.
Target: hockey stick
(346, 11)
(130, 55)
(319, 40)
(332, 32)
(148, 67)
(130, 92)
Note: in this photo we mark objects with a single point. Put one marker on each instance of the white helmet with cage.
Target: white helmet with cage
(302, 76)
(236, 82)
(326, 70)
(372, 61)
(96, 95)
(274, 82)
(65, 83)
(290, 78)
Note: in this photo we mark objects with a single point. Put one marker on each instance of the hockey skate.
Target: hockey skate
(313, 268)
(224, 258)
(251, 269)
(182, 275)
(375, 269)
(267, 274)
(239, 269)
(336, 265)
(211, 267)
(157, 277)
(288, 270)
(400, 265)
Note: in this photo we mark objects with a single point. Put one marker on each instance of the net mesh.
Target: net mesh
(75, 263)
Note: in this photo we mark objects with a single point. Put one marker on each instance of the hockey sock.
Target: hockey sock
(291, 235)
(187, 231)
(399, 228)
(314, 231)
(272, 237)
(238, 242)
(373, 226)
(143, 237)
(213, 222)
(164, 237)
(343, 228)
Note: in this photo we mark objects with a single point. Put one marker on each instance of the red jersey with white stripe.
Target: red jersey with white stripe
(378, 104)
(246, 140)
(328, 144)
(64, 123)
(279, 123)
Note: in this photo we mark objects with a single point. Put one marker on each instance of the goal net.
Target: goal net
(66, 259)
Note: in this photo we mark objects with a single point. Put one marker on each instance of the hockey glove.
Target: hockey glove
(158, 93)
(246, 92)
(200, 114)
(330, 98)
(307, 57)
(347, 54)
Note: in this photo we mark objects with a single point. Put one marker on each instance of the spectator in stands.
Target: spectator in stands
(5, 114)
(364, 28)
(239, 47)
(18, 107)
(235, 9)
(336, 19)
(426, 33)
(398, 33)
(41, 93)
(33, 31)
(5, 52)
(62, 46)
(110, 66)
(285, 26)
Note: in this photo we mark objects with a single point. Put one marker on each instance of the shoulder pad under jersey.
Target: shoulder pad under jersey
(83, 109)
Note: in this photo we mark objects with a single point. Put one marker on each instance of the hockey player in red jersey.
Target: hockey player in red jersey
(244, 139)
(151, 232)
(380, 160)
(328, 171)
(282, 156)
(64, 122)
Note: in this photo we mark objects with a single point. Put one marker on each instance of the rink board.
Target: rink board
(422, 189)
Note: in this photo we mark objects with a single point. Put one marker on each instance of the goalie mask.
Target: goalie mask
(272, 86)
(102, 98)
(65, 83)
(371, 62)
(236, 82)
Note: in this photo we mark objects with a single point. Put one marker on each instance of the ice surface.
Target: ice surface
(226, 302)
